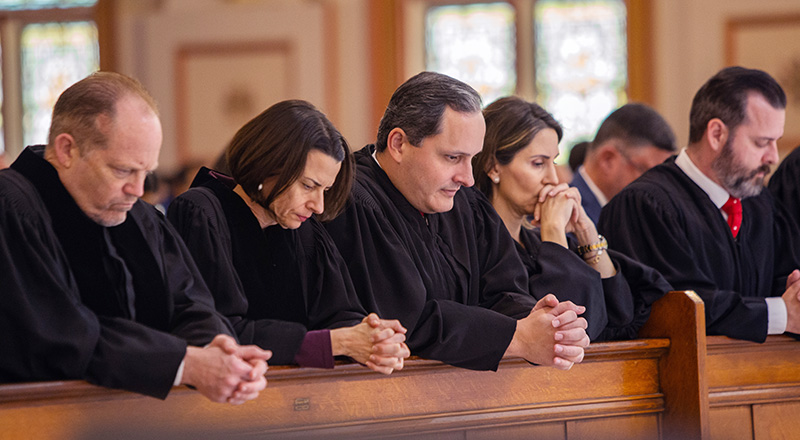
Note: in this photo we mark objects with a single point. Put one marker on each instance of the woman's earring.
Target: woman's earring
(496, 179)
(260, 186)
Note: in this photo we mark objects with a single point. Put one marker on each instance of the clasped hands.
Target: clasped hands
(558, 211)
(377, 343)
(552, 334)
(225, 371)
(558, 207)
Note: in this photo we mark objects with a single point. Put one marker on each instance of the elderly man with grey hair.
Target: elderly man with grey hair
(95, 284)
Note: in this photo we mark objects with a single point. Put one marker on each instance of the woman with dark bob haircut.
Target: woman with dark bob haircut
(273, 269)
(556, 240)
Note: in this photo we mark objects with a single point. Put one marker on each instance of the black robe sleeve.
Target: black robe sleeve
(648, 227)
(616, 307)
(503, 280)
(785, 184)
(194, 317)
(558, 270)
(786, 245)
(645, 284)
(206, 234)
(48, 333)
(331, 300)
(389, 282)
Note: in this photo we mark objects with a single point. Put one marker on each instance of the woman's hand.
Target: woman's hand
(558, 213)
(379, 344)
(558, 207)
(388, 353)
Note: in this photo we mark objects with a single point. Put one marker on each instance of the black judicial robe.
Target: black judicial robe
(453, 279)
(785, 184)
(262, 278)
(616, 307)
(114, 306)
(666, 221)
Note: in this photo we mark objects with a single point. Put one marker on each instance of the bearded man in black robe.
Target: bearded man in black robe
(703, 221)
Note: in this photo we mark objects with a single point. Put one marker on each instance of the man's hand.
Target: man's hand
(792, 278)
(224, 371)
(552, 334)
(792, 299)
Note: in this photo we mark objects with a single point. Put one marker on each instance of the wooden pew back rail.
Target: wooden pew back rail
(666, 386)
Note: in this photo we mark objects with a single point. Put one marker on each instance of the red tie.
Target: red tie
(733, 207)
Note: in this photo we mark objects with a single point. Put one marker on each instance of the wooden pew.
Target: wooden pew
(681, 317)
(754, 389)
(648, 388)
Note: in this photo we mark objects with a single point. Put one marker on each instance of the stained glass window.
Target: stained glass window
(475, 43)
(581, 62)
(54, 56)
(43, 4)
(2, 125)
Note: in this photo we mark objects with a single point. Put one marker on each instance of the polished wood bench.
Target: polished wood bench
(754, 389)
(647, 388)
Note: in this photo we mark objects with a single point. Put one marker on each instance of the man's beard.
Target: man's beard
(739, 181)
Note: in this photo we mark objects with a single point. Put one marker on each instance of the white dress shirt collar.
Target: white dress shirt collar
(716, 193)
(601, 198)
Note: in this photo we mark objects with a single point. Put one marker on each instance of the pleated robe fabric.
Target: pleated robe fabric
(666, 221)
(453, 279)
(272, 283)
(115, 306)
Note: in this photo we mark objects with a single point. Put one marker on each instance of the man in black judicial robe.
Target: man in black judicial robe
(424, 250)
(95, 284)
(681, 217)
(785, 184)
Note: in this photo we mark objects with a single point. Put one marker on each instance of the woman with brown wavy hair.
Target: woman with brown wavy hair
(256, 237)
(557, 241)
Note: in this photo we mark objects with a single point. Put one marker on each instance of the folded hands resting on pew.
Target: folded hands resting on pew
(377, 343)
(552, 334)
(225, 371)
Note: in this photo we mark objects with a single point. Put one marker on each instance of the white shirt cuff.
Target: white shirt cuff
(179, 374)
(776, 315)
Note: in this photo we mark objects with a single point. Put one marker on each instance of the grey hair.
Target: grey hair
(78, 107)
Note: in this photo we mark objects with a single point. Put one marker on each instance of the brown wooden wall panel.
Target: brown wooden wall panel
(776, 421)
(543, 431)
(615, 428)
(735, 363)
(754, 389)
(731, 423)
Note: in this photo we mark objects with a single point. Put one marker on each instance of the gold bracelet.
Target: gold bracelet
(601, 245)
(593, 260)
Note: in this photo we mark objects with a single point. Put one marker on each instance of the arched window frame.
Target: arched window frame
(12, 22)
